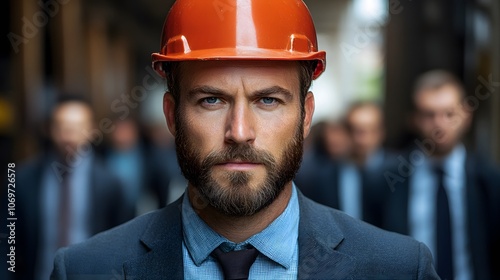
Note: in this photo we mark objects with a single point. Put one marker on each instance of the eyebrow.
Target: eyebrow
(258, 93)
(206, 90)
(274, 90)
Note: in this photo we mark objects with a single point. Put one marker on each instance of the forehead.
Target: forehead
(365, 113)
(244, 73)
(72, 112)
(445, 96)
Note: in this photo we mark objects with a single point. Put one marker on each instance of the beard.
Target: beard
(239, 198)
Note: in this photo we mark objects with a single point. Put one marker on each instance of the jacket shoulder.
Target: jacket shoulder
(105, 253)
(116, 243)
(372, 252)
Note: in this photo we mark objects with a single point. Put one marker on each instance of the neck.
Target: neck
(359, 159)
(239, 229)
(441, 152)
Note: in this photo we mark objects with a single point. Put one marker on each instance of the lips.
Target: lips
(238, 165)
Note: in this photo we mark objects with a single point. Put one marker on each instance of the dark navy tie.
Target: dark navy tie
(236, 264)
(64, 211)
(443, 230)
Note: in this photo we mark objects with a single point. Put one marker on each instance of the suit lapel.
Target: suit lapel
(163, 242)
(318, 240)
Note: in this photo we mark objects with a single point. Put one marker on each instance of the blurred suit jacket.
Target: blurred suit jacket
(483, 214)
(105, 209)
(319, 179)
(332, 245)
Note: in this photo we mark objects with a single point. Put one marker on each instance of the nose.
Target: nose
(441, 120)
(240, 126)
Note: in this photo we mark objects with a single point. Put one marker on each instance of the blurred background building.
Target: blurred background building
(101, 50)
(376, 48)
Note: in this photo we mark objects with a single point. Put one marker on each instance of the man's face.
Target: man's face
(441, 117)
(239, 131)
(337, 140)
(126, 135)
(366, 130)
(71, 123)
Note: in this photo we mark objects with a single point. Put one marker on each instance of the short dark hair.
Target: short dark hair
(306, 70)
(71, 97)
(65, 98)
(363, 104)
(434, 80)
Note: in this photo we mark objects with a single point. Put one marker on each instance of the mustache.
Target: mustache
(241, 152)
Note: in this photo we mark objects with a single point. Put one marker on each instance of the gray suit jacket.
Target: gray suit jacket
(332, 245)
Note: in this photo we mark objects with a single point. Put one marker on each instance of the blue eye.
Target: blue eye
(268, 100)
(211, 100)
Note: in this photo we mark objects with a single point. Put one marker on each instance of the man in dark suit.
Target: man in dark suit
(239, 107)
(351, 183)
(65, 195)
(464, 235)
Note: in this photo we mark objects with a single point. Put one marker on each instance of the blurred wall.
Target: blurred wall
(98, 49)
(102, 49)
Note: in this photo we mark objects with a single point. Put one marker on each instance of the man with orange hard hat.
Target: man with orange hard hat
(238, 74)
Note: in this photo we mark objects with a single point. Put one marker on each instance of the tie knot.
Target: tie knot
(235, 264)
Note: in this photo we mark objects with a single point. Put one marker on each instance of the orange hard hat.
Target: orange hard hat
(239, 30)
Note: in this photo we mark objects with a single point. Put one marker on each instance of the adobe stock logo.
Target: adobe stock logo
(30, 27)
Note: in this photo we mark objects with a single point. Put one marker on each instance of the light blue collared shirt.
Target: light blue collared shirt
(351, 184)
(422, 208)
(277, 244)
(350, 190)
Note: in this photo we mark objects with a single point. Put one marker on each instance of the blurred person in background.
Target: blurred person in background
(167, 181)
(314, 142)
(66, 194)
(336, 140)
(329, 147)
(443, 195)
(365, 124)
(362, 178)
(352, 176)
(127, 157)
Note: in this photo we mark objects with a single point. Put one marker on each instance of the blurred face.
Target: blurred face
(125, 135)
(337, 140)
(441, 117)
(366, 129)
(71, 123)
(239, 131)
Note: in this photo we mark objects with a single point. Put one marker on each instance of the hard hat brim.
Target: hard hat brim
(241, 54)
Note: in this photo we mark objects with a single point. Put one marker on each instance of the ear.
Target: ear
(169, 111)
(309, 111)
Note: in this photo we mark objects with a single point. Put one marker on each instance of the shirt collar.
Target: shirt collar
(77, 166)
(277, 241)
(453, 164)
(375, 159)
